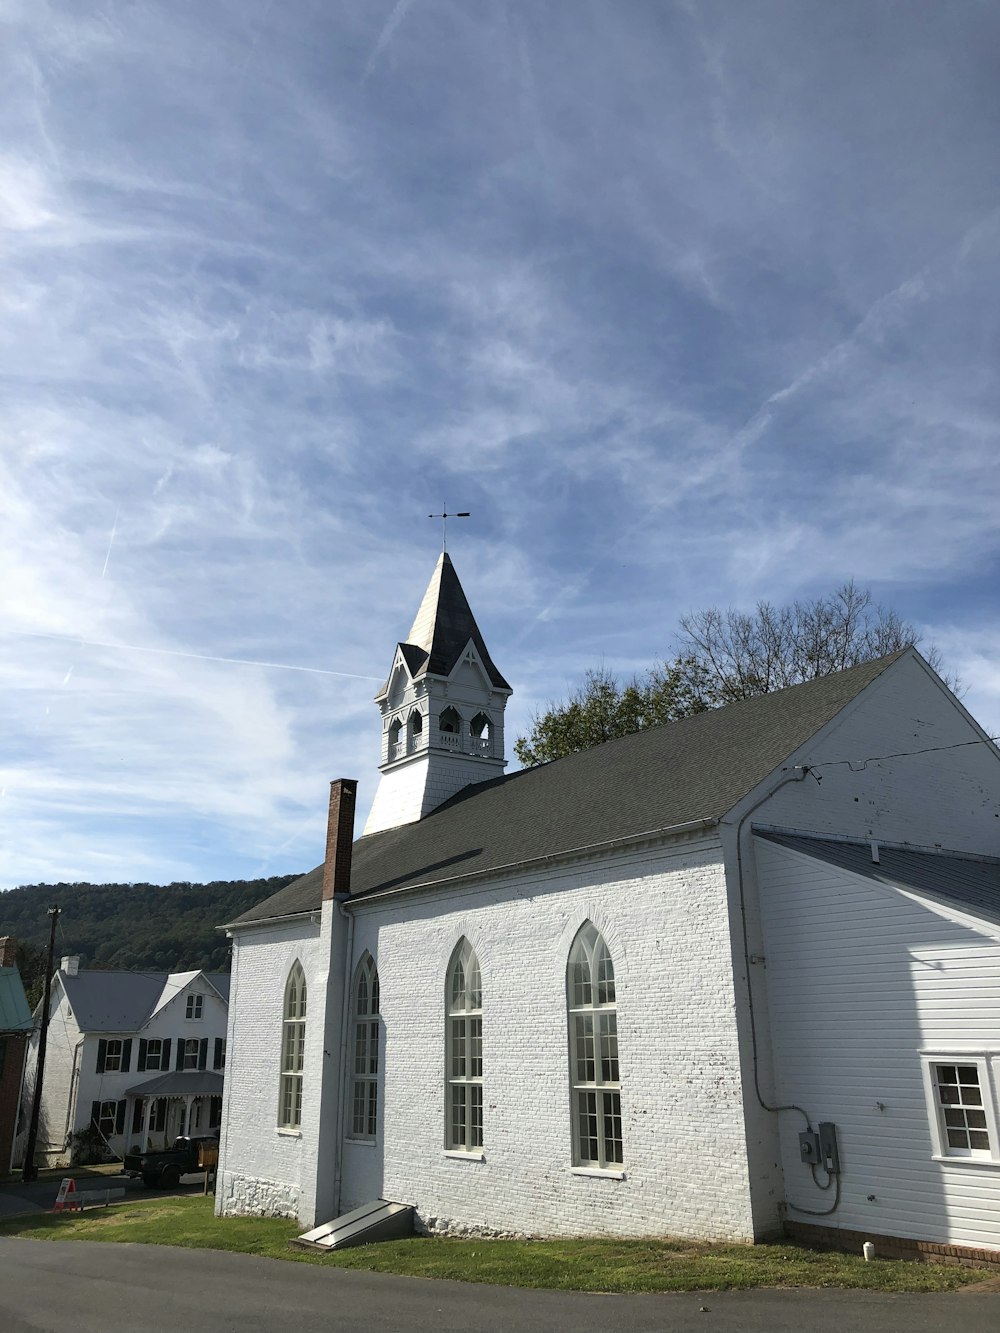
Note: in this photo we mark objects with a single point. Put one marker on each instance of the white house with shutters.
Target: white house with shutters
(724, 976)
(132, 1058)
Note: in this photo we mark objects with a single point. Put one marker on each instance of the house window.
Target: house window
(195, 1006)
(191, 1052)
(364, 1078)
(464, 1051)
(154, 1054)
(113, 1056)
(960, 1100)
(593, 1053)
(293, 1043)
(106, 1117)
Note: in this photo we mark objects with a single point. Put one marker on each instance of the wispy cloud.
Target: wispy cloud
(686, 304)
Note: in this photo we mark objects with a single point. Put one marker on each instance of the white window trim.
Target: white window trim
(366, 971)
(463, 955)
(601, 1173)
(985, 1062)
(599, 1087)
(293, 1029)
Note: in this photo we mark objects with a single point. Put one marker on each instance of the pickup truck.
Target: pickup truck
(166, 1167)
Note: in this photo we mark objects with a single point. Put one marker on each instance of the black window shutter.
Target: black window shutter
(203, 1053)
(165, 1057)
(120, 1117)
(127, 1056)
(180, 1053)
(217, 1062)
(95, 1114)
(102, 1055)
(141, 1067)
(137, 1116)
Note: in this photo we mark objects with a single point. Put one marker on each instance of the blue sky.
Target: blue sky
(689, 303)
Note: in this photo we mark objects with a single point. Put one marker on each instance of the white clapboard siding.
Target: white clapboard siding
(861, 978)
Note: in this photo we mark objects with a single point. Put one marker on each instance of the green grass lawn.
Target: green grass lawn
(574, 1265)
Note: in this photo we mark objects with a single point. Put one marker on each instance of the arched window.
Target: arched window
(593, 1052)
(415, 725)
(464, 1051)
(395, 727)
(293, 1046)
(450, 722)
(364, 1078)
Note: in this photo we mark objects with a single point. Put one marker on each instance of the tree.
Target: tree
(724, 655)
(743, 654)
(602, 709)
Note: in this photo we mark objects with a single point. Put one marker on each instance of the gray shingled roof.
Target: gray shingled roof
(180, 1083)
(121, 1001)
(443, 626)
(696, 768)
(957, 881)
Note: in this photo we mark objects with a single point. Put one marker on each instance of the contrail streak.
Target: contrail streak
(386, 35)
(111, 541)
(199, 657)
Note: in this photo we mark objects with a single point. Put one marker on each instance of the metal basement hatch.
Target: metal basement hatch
(379, 1220)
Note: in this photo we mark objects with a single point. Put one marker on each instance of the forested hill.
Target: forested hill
(168, 928)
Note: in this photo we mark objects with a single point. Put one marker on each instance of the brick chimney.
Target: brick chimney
(8, 947)
(70, 965)
(339, 838)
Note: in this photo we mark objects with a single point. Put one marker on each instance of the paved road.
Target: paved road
(39, 1196)
(81, 1287)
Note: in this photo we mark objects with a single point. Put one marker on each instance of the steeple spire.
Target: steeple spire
(444, 624)
(442, 708)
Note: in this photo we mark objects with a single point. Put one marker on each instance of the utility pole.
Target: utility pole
(29, 1171)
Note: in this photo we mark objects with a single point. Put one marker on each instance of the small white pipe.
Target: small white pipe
(868, 1250)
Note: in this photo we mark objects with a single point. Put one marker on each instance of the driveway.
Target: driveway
(82, 1287)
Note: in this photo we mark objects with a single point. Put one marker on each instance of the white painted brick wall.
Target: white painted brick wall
(260, 1167)
(664, 916)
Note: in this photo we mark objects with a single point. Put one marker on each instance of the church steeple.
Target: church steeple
(442, 708)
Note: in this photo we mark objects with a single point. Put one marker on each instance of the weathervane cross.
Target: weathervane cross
(444, 517)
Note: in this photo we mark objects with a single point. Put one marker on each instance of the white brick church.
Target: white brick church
(734, 972)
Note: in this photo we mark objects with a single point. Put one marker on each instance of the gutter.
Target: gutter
(311, 912)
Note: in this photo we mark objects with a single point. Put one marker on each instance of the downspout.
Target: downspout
(336, 891)
(797, 774)
(227, 1072)
(342, 1073)
(74, 1087)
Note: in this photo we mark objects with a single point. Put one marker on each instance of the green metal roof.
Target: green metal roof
(15, 1016)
